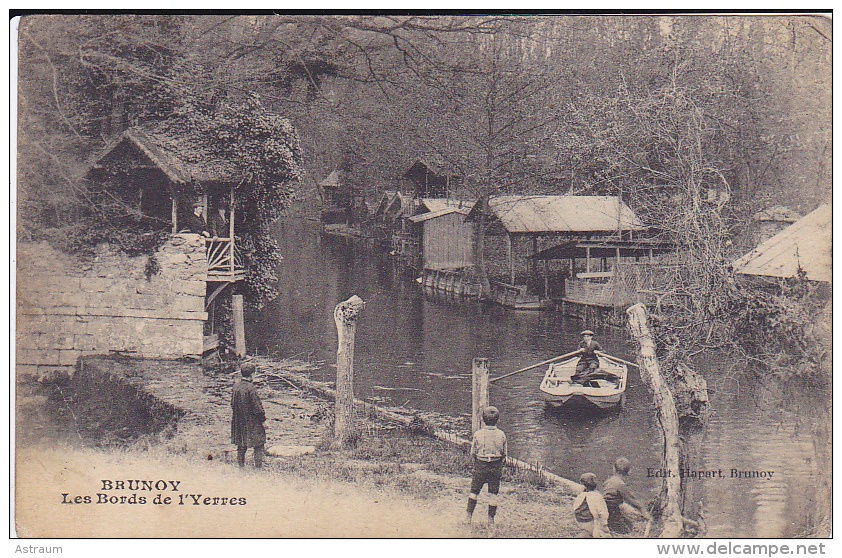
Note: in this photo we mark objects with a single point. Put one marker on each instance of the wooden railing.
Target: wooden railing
(605, 290)
(223, 257)
(627, 284)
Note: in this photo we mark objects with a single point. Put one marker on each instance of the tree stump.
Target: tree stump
(345, 315)
(650, 373)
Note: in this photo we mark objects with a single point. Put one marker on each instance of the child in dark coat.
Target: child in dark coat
(248, 417)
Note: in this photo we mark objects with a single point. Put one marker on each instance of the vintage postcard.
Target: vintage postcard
(426, 276)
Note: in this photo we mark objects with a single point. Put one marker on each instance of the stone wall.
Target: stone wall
(67, 307)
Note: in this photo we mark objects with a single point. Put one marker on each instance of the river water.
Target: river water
(416, 351)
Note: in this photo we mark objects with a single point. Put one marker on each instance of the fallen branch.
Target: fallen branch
(650, 373)
(320, 389)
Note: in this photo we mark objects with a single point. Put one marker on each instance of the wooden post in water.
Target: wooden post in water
(239, 325)
(479, 391)
(546, 279)
(650, 373)
(345, 315)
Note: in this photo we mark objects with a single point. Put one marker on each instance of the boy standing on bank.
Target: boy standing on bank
(488, 450)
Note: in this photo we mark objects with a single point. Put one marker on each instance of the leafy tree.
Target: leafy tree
(264, 150)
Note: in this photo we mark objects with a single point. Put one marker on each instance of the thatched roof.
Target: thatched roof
(181, 158)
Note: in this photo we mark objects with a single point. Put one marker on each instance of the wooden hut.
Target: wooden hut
(161, 177)
(445, 241)
(429, 179)
(521, 225)
(342, 202)
(804, 246)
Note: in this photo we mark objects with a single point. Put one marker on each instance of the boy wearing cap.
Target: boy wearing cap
(590, 510)
(488, 450)
(589, 361)
(248, 417)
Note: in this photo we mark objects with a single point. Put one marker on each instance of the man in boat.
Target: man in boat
(488, 450)
(616, 492)
(589, 361)
(248, 417)
(590, 510)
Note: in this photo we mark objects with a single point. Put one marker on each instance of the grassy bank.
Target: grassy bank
(394, 484)
(396, 481)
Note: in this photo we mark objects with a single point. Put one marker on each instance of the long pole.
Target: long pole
(231, 229)
(239, 325)
(533, 366)
(600, 353)
(479, 391)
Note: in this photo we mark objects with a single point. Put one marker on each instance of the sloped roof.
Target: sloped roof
(433, 164)
(333, 180)
(385, 200)
(433, 214)
(806, 244)
(182, 159)
(398, 197)
(546, 214)
(603, 249)
(437, 204)
(777, 213)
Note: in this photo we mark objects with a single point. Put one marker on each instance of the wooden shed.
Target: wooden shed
(430, 179)
(520, 226)
(806, 245)
(446, 239)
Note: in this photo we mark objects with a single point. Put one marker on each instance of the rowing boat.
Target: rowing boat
(604, 388)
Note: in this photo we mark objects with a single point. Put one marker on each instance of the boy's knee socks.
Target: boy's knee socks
(472, 502)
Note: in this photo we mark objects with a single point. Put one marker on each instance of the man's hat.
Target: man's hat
(587, 332)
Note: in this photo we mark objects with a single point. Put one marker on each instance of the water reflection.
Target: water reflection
(417, 351)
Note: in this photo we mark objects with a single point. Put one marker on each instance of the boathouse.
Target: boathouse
(162, 175)
(520, 226)
(445, 238)
(805, 247)
(428, 178)
(341, 201)
(606, 272)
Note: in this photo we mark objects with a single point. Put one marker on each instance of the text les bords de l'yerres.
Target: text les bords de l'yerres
(141, 492)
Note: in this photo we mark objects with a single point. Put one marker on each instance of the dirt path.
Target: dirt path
(391, 486)
(275, 505)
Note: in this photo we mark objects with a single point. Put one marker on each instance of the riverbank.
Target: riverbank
(395, 482)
